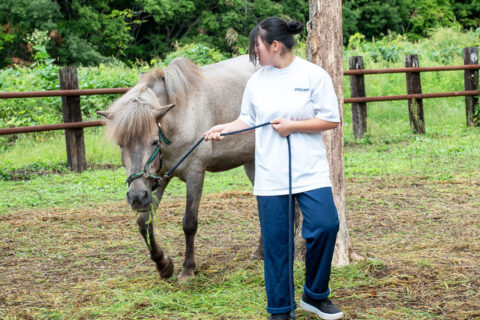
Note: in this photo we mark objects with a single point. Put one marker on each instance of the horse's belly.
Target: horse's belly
(232, 154)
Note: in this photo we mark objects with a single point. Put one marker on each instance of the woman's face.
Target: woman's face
(264, 53)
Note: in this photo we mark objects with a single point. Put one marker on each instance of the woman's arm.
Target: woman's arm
(285, 127)
(214, 132)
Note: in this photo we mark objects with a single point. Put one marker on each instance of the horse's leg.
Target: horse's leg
(250, 171)
(145, 225)
(194, 182)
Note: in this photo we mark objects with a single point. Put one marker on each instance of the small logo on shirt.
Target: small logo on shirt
(302, 89)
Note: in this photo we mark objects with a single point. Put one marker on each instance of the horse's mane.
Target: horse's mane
(133, 115)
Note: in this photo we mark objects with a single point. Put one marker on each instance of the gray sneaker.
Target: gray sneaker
(325, 309)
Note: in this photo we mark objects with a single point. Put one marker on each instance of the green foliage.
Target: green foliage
(198, 53)
(82, 32)
(221, 24)
(18, 20)
(444, 45)
(44, 76)
(467, 12)
(428, 14)
(88, 33)
(374, 18)
(93, 33)
(23, 112)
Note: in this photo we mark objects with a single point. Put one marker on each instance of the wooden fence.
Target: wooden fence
(414, 90)
(73, 124)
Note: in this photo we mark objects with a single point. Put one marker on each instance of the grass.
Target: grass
(418, 238)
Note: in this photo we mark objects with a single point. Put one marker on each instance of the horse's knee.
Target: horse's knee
(190, 226)
(144, 223)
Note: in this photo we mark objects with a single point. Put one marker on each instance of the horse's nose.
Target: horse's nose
(138, 199)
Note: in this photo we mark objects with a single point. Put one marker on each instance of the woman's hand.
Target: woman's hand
(284, 127)
(214, 133)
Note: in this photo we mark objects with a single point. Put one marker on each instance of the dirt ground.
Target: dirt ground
(425, 233)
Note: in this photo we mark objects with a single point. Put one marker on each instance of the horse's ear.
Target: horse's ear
(106, 114)
(160, 111)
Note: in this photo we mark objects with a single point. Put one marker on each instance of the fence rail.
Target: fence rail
(61, 93)
(410, 69)
(413, 96)
(73, 124)
(52, 127)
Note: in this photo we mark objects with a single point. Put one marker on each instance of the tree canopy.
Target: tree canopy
(91, 31)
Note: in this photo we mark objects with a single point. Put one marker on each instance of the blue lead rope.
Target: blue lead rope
(291, 210)
(175, 166)
(291, 213)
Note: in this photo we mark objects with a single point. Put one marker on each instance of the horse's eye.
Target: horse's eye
(156, 142)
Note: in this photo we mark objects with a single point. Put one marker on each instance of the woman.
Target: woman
(298, 99)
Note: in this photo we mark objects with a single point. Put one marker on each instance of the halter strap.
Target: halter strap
(145, 172)
(162, 135)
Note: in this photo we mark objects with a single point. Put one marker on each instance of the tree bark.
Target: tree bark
(325, 48)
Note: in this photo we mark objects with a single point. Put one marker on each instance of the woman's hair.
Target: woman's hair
(272, 29)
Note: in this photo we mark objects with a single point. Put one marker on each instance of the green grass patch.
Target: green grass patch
(446, 154)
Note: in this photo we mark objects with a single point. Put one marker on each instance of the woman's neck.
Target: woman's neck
(284, 61)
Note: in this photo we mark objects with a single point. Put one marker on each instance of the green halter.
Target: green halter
(158, 151)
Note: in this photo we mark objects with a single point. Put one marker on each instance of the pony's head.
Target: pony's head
(133, 124)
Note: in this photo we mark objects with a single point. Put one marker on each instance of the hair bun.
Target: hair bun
(294, 27)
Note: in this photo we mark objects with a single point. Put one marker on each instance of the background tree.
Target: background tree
(20, 18)
(324, 47)
(427, 14)
(88, 32)
(372, 18)
(467, 13)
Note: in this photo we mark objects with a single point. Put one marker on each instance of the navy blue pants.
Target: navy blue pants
(320, 227)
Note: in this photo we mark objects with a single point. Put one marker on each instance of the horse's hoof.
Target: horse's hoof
(185, 276)
(166, 270)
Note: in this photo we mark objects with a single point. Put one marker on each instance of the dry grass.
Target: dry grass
(423, 236)
(427, 235)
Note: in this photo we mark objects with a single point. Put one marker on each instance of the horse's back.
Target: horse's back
(224, 85)
(240, 65)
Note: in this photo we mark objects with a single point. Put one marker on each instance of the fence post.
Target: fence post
(72, 113)
(414, 85)
(357, 88)
(470, 56)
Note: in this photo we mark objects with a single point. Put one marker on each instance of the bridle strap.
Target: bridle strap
(145, 172)
(162, 135)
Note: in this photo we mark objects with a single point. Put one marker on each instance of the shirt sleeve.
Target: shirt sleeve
(247, 112)
(324, 99)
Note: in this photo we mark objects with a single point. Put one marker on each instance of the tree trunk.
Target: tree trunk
(325, 48)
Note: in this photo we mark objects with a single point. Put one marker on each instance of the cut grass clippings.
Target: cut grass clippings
(419, 238)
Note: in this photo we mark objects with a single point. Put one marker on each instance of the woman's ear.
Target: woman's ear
(276, 46)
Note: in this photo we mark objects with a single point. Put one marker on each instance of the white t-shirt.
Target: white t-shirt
(300, 91)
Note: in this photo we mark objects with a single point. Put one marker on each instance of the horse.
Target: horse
(179, 103)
